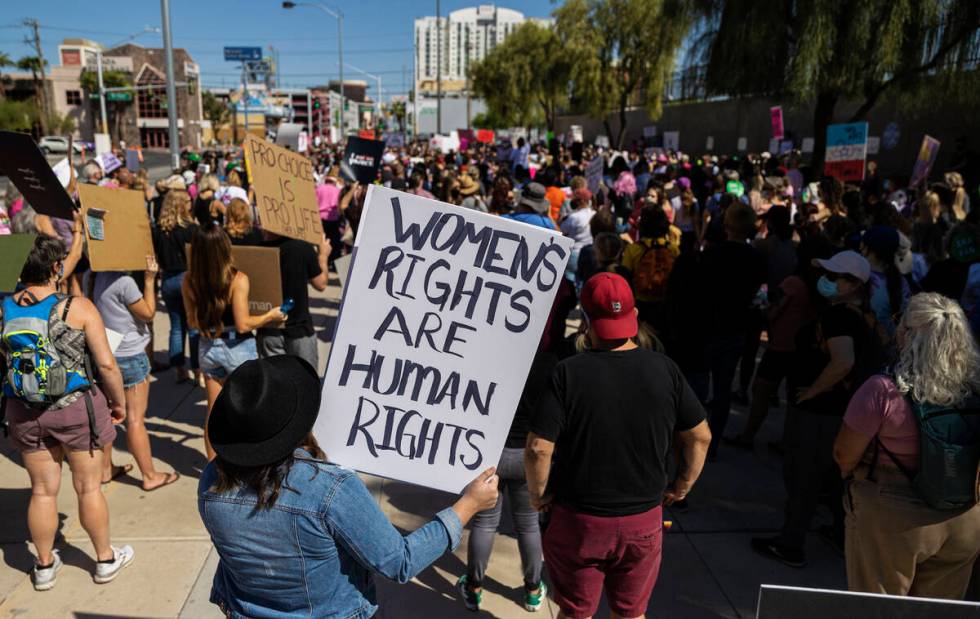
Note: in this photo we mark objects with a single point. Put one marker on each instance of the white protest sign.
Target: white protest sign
(874, 144)
(743, 143)
(441, 315)
(807, 146)
(593, 174)
(709, 142)
(576, 133)
(672, 140)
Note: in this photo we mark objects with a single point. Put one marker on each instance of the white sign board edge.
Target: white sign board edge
(363, 312)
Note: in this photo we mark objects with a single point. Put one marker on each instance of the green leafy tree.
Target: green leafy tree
(17, 115)
(216, 111)
(397, 109)
(114, 109)
(827, 52)
(487, 120)
(622, 53)
(525, 79)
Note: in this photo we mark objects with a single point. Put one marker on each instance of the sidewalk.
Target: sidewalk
(708, 568)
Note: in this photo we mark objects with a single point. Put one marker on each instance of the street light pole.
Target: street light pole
(105, 117)
(168, 50)
(339, 16)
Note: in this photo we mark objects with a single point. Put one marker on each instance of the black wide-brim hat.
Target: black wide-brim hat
(265, 409)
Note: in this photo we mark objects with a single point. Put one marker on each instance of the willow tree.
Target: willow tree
(828, 51)
(525, 79)
(623, 53)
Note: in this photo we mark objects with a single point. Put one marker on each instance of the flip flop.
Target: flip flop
(118, 471)
(171, 478)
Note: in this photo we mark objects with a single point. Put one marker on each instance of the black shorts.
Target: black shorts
(775, 365)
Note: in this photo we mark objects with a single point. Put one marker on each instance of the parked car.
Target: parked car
(57, 144)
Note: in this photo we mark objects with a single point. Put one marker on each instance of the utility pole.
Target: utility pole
(438, 69)
(42, 93)
(168, 49)
(105, 117)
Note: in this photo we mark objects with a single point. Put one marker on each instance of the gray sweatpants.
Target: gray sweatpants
(513, 483)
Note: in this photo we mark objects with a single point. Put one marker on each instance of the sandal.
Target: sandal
(117, 472)
(171, 478)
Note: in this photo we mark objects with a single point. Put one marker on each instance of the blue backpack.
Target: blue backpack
(35, 372)
(949, 454)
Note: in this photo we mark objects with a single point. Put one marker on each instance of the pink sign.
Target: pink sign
(776, 117)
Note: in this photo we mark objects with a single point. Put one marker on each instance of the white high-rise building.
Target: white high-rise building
(468, 35)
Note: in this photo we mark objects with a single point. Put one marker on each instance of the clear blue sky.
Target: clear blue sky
(377, 33)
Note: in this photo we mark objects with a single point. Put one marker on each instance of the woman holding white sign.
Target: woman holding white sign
(298, 536)
(216, 297)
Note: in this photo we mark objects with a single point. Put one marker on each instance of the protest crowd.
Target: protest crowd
(694, 282)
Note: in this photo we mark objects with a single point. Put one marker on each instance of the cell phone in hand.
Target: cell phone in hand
(287, 306)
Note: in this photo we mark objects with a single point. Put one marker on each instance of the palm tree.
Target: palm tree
(5, 61)
(33, 64)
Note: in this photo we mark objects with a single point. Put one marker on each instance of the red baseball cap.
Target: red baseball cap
(609, 306)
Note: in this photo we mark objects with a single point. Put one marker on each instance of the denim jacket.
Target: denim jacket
(314, 552)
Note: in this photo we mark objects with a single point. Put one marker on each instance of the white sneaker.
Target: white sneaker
(44, 579)
(107, 572)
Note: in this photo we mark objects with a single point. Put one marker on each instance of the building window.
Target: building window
(150, 102)
(73, 97)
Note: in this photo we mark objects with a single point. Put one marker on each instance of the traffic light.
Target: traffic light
(316, 104)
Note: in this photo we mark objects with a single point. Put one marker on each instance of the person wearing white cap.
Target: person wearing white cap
(834, 355)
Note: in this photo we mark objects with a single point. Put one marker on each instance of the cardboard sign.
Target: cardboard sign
(672, 140)
(261, 264)
(364, 158)
(847, 147)
(22, 161)
(285, 193)
(593, 174)
(13, 253)
(125, 228)
(800, 603)
(440, 318)
(923, 162)
(776, 120)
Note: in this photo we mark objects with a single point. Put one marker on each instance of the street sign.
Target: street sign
(243, 53)
(114, 96)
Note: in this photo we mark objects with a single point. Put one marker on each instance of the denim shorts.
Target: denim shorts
(220, 357)
(134, 369)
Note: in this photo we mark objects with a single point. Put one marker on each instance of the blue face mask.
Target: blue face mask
(826, 287)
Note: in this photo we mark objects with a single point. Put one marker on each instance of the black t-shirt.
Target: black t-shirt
(298, 264)
(734, 271)
(202, 211)
(948, 278)
(811, 357)
(252, 237)
(612, 416)
(538, 382)
(170, 248)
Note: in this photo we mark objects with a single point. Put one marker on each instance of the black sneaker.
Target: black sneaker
(772, 548)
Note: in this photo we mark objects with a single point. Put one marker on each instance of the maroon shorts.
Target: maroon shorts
(34, 430)
(585, 552)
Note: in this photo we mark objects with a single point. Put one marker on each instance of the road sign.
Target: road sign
(243, 53)
(114, 96)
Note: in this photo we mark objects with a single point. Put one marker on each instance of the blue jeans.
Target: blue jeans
(220, 357)
(174, 300)
(724, 355)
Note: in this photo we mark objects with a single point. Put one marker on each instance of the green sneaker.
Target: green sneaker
(471, 598)
(534, 601)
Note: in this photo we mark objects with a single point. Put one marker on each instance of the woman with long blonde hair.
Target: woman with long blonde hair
(898, 541)
(216, 297)
(961, 201)
(239, 224)
(172, 233)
